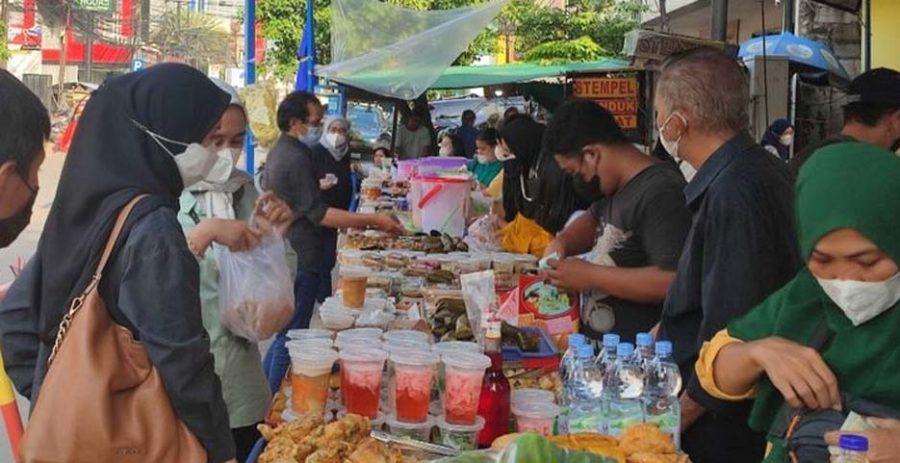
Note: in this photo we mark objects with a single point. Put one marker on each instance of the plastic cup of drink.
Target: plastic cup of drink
(354, 281)
(459, 437)
(309, 333)
(407, 336)
(412, 383)
(464, 374)
(310, 379)
(418, 431)
(536, 417)
(361, 374)
(443, 348)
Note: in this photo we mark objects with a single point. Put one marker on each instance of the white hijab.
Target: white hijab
(218, 197)
(331, 142)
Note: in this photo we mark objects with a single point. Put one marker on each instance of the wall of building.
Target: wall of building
(885, 33)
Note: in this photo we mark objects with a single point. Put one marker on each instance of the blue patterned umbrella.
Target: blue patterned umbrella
(798, 50)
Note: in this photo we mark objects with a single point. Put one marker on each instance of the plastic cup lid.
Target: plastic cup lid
(406, 347)
(537, 410)
(456, 346)
(301, 344)
(309, 333)
(531, 395)
(314, 357)
(466, 360)
(355, 271)
(361, 354)
(289, 416)
(360, 333)
(445, 426)
(401, 335)
(359, 343)
(412, 357)
(394, 423)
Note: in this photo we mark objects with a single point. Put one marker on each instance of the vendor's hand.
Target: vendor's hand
(274, 212)
(234, 234)
(387, 223)
(798, 372)
(555, 247)
(575, 275)
(884, 441)
(691, 411)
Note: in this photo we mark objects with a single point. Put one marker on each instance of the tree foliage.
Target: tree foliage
(196, 37)
(582, 31)
(4, 49)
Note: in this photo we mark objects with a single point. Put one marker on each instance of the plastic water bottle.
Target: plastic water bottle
(566, 369)
(643, 353)
(610, 344)
(853, 449)
(662, 384)
(623, 392)
(584, 407)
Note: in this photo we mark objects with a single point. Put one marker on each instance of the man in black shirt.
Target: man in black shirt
(634, 233)
(871, 115)
(25, 127)
(742, 245)
(291, 174)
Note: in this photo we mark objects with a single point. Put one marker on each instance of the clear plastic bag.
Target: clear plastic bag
(256, 292)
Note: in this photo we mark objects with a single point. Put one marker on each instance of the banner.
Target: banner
(619, 95)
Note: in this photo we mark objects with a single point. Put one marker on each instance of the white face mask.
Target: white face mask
(786, 140)
(482, 159)
(194, 163)
(336, 144)
(444, 151)
(670, 146)
(862, 301)
(224, 166)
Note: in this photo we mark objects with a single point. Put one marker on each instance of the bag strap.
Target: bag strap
(78, 302)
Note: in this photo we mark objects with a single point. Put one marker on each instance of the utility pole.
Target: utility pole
(787, 16)
(719, 20)
(63, 58)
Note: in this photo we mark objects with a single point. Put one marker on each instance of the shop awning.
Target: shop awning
(457, 77)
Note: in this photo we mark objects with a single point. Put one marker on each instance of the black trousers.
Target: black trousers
(723, 438)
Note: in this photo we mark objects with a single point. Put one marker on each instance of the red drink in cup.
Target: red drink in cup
(413, 381)
(465, 373)
(361, 372)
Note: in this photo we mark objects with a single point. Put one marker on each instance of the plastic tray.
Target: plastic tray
(546, 347)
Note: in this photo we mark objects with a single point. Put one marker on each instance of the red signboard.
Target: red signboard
(619, 95)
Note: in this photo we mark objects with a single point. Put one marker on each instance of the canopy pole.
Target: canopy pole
(719, 20)
(249, 72)
(394, 130)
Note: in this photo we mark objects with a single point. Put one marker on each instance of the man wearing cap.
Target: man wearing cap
(871, 115)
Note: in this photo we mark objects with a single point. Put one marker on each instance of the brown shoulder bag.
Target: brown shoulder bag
(102, 399)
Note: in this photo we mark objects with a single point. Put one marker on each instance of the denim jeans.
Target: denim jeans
(309, 287)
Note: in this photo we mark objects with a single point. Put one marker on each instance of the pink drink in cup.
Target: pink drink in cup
(413, 380)
(464, 374)
(536, 417)
(361, 374)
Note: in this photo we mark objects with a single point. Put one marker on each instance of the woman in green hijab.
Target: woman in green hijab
(848, 213)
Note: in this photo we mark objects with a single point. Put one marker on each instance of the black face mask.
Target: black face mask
(11, 227)
(895, 146)
(588, 191)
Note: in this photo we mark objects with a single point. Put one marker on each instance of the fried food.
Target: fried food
(309, 440)
(646, 438)
(657, 458)
(597, 444)
(372, 451)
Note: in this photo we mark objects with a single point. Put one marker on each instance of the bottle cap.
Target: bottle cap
(585, 351)
(625, 349)
(854, 443)
(610, 341)
(644, 340)
(576, 339)
(664, 348)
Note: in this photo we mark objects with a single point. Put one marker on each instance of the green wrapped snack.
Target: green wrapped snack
(530, 448)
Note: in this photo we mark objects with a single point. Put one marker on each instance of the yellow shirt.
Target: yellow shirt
(495, 189)
(525, 236)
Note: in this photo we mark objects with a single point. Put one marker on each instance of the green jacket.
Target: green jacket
(237, 360)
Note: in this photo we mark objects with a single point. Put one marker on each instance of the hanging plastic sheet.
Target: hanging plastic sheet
(399, 52)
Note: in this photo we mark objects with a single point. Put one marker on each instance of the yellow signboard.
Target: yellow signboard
(619, 95)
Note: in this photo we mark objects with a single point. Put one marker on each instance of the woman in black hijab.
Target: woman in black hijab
(534, 185)
(145, 133)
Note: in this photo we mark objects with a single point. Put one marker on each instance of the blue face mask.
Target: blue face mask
(312, 136)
